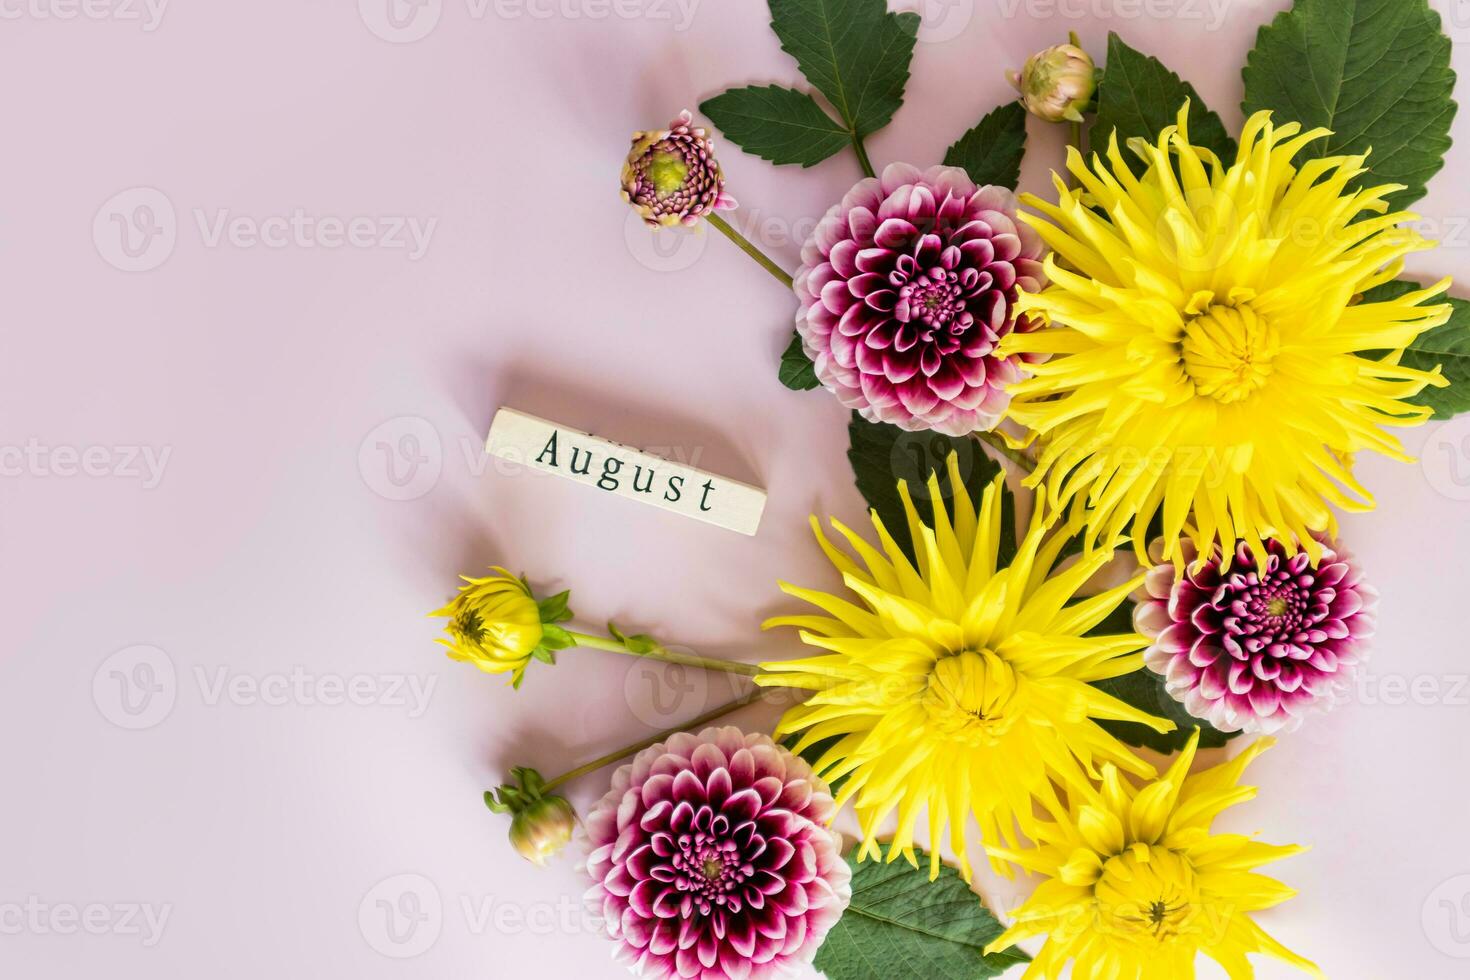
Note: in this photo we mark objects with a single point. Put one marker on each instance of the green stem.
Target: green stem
(639, 746)
(748, 248)
(997, 442)
(862, 154)
(666, 655)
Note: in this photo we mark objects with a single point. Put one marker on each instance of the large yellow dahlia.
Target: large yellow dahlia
(1212, 353)
(1137, 885)
(958, 687)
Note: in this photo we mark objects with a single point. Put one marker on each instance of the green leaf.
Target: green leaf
(1375, 72)
(797, 371)
(855, 52)
(1139, 97)
(555, 638)
(881, 455)
(1143, 689)
(1447, 346)
(901, 924)
(777, 124)
(991, 152)
(554, 608)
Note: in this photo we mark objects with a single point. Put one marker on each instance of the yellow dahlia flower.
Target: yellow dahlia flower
(494, 623)
(1211, 350)
(958, 687)
(1138, 886)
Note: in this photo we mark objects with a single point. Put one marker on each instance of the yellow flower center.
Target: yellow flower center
(969, 697)
(1228, 351)
(1149, 894)
(667, 172)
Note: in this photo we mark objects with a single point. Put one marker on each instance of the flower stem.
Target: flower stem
(748, 248)
(639, 746)
(659, 652)
(997, 442)
(862, 155)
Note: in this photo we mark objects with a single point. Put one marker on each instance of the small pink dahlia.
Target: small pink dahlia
(671, 175)
(711, 859)
(1252, 652)
(906, 288)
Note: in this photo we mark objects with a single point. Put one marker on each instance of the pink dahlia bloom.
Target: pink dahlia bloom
(671, 176)
(711, 859)
(1256, 653)
(906, 288)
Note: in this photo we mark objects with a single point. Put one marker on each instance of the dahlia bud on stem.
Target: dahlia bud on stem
(542, 823)
(498, 624)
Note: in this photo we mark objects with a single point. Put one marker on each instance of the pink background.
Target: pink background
(298, 389)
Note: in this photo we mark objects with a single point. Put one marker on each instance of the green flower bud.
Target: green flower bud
(1057, 84)
(541, 825)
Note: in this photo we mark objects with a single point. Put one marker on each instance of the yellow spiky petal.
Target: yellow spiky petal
(1137, 885)
(958, 688)
(1211, 357)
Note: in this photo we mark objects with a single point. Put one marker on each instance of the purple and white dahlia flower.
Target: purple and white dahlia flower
(1256, 652)
(711, 859)
(672, 177)
(906, 287)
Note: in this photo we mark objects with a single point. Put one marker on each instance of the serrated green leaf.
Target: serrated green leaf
(1139, 96)
(881, 455)
(1143, 689)
(991, 152)
(855, 52)
(797, 370)
(777, 124)
(1447, 346)
(1375, 72)
(901, 924)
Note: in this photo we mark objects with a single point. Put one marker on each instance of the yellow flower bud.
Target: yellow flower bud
(494, 623)
(1057, 84)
